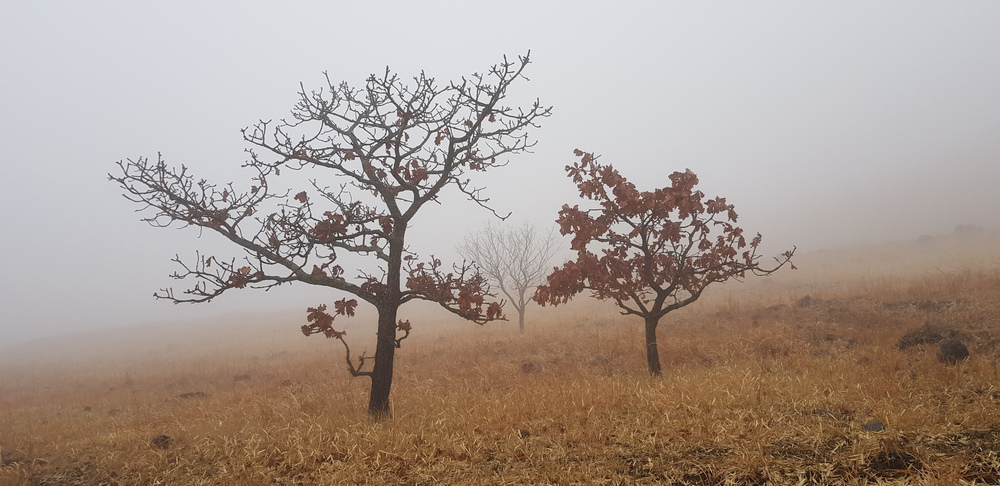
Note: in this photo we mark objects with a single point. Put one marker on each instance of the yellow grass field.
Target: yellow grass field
(759, 387)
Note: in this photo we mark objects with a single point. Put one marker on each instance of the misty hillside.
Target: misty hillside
(821, 270)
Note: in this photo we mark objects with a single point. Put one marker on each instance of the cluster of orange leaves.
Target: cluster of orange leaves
(322, 321)
(644, 238)
(335, 271)
(330, 228)
(240, 278)
(468, 294)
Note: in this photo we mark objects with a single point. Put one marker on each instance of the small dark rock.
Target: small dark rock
(86, 409)
(196, 394)
(803, 302)
(528, 367)
(161, 442)
(241, 378)
(12, 457)
(524, 433)
(952, 351)
(874, 426)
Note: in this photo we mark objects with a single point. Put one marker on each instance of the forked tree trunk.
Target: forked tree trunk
(385, 352)
(652, 352)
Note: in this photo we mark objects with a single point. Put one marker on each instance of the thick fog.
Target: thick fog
(826, 124)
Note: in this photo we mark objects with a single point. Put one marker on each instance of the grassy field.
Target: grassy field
(759, 387)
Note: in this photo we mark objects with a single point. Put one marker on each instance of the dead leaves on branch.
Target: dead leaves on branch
(328, 269)
(655, 250)
(331, 228)
(240, 278)
(463, 292)
(322, 321)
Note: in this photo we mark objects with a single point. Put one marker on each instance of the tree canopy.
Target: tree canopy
(651, 252)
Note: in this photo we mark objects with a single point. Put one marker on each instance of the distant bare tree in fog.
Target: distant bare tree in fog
(379, 154)
(656, 251)
(516, 259)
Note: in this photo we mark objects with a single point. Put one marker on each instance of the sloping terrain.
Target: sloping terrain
(797, 380)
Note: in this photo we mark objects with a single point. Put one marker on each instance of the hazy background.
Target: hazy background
(827, 124)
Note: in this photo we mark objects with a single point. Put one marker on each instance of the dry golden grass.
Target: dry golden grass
(756, 390)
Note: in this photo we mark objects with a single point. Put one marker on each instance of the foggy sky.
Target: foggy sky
(826, 124)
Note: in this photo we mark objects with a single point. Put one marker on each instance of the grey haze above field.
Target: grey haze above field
(826, 124)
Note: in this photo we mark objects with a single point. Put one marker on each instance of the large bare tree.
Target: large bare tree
(516, 259)
(374, 157)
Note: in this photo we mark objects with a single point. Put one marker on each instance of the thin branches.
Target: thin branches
(516, 259)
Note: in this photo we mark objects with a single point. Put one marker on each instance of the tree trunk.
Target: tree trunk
(652, 353)
(385, 353)
(385, 345)
(520, 312)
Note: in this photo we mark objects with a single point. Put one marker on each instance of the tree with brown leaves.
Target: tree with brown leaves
(651, 252)
(376, 155)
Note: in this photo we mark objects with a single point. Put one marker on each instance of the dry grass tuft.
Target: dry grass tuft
(760, 388)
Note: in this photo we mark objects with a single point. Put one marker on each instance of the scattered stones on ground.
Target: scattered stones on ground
(952, 351)
(160, 442)
(241, 378)
(874, 426)
(196, 394)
